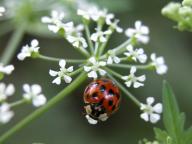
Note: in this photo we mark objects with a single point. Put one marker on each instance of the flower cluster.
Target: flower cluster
(151, 113)
(6, 69)
(28, 51)
(98, 61)
(180, 13)
(31, 94)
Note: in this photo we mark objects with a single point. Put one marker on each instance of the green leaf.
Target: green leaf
(161, 135)
(188, 136)
(172, 118)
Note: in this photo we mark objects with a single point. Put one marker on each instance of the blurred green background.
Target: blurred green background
(65, 123)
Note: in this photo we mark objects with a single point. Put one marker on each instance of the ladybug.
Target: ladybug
(101, 98)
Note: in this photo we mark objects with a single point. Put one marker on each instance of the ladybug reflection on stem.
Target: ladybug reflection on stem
(101, 98)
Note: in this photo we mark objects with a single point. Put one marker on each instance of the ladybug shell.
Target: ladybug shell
(102, 94)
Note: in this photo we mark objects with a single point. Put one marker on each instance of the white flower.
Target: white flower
(91, 120)
(93, 13)
(112, 58)
(5, 113)
(92, 70)
(159, 64)
(55, 21)
(6, 69)
(132, 79)
(137, 54)
(140, 32)
(63, 73)
(70, 29)
(27, 50)
(6, 91)
(33, 93)
(151, 113)
(100, 36)
(77, 41)
(2, 10)
(113, 24)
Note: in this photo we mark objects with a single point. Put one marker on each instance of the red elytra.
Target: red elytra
(102, 98)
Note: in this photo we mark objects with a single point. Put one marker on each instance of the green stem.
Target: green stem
(13, 44)
(103, 46)
(55, 100)
(132, 97)
(113, 73)
(148, 66)
(76, 71)
(87, 32)
(18, 103)
(84, 52)
(47, 58)
(119, 49)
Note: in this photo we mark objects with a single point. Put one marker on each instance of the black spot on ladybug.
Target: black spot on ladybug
(102, 88)
(110, 102)
(94, 94)
(111, 92)
(113, 108)
(101, 102)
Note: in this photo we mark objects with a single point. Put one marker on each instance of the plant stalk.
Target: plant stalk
(13, 44)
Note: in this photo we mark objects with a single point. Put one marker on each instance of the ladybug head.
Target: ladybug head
(95, 113)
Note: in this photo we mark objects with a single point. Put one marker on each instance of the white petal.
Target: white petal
(46, 19)
(154, 118)
(67, 79)
(145, 116)
(130, 48)
(57, 81)
(53, 28)
(150, 100)
(116, 59)
(36, 89)
(26, 88)
(102, 63)
(153, 57)
(94, 37)
(34, 43)
(128, 83)
(70, 69)
(133, 69)
(125, 77)
(102, 39)
(109, 60)
(138, 24)
(102, 72)
(145, 30)
(53, 73)
(21, 56)
(39, 100)
(137, 84)
(158, 108)
(62, 63)
(130, 32)
(141, 78)
(10, 90)
(92, 74)
(87, 68)
(92, 60)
